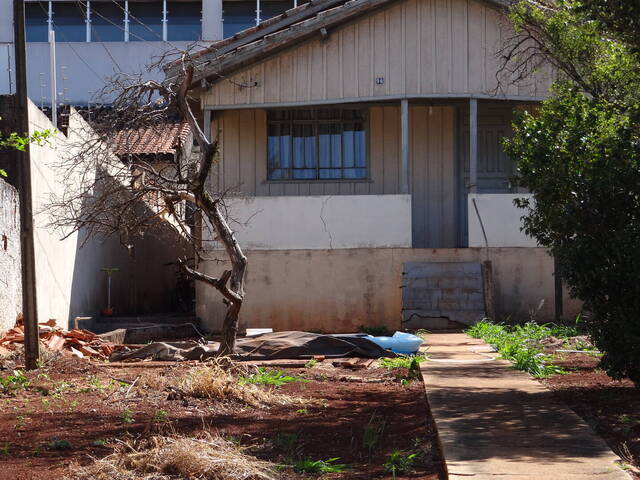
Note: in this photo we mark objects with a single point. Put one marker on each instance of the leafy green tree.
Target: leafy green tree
(19, 142)
(580, 157)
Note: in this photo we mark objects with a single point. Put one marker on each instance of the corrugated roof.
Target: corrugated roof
(156, 139)
(277, 33)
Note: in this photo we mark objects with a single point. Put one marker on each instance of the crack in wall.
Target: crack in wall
(324, 223)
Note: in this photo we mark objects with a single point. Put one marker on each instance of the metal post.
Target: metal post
(29, 301)
(87, 21)
(164, 20)
(54, 86)
(126, 20)
(9, 69)
(404, 146)
(473, 145)
(257, 12)
(50, 18)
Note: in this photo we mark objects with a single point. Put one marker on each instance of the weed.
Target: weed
(60, 445)
(521, 344)
(12, 382)
(21, 422)
(305, 465)
(160, 416)
(285, 441)
(372, 434)
(311, 363)
(375, 330)
(302, 411)
(99, 443)
(403, 361)
(400, 462)
(268, 377)
(5, 449)
(127, 416)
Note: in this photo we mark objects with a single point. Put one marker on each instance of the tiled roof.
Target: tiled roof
(156, 139)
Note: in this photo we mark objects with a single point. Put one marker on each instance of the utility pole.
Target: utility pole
(29, 304)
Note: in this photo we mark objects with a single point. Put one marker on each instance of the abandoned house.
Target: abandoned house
(362, 140)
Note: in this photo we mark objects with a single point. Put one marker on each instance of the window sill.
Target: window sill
(317, 180)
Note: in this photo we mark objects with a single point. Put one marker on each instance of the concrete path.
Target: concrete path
(498, 423)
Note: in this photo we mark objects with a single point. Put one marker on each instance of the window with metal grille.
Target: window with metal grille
(321, 144)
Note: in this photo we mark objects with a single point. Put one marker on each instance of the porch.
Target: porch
(429, 173)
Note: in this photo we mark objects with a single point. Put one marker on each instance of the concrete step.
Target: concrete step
(442, 295)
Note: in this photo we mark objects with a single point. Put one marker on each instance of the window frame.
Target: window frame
(315, 122)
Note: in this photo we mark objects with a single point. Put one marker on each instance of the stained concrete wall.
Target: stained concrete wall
(322, 221)
(501, 219)
(10, 265)
(339, 290)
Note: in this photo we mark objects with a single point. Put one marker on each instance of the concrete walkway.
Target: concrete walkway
(498, 423)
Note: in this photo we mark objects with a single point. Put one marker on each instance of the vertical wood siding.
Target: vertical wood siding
(417, 46)
(242, 165)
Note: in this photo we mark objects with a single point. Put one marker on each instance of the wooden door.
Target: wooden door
(433, 174)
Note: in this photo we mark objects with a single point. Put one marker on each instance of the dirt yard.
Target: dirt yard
(62, 416)
(611, 407)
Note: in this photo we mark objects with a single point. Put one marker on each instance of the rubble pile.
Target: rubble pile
(77, 342)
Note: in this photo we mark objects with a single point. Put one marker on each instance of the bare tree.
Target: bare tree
(114, 189)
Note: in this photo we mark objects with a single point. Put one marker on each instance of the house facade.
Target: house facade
(361, 141)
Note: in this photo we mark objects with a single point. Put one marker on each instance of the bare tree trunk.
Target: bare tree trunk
(230, 283)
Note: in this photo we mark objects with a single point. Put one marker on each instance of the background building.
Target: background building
(97, 38)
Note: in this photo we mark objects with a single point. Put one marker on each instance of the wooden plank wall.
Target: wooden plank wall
(242, 165)
(433, 177)
(417, 46)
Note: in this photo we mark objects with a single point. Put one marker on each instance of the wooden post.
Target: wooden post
(29, 303)
(404, 146)
(473, 145)
(487, 283)
(207, 124)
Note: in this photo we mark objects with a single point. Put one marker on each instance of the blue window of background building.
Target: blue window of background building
(36, 15)
(237, 16)
(69, 22)
(107, 22)
(183, 21)
(145, 21)
(272, 8)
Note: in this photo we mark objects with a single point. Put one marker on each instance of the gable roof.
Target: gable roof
(275, 34)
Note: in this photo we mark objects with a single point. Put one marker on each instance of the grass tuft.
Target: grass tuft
(521, 344)
(263, 376)
(306, 465)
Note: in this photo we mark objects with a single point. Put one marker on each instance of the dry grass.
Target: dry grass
(171, 458)
(218, 384)
(218, 381)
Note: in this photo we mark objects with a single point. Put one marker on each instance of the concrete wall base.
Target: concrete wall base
(340, 290)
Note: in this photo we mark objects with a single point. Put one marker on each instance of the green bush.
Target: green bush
(579, 156)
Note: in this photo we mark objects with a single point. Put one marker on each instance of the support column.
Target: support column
(473, 145)
(404, 146)
(207, 124)
(211, 20)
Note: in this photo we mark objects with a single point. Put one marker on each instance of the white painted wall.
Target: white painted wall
(322, 222)
(10, 264)
(501, 220)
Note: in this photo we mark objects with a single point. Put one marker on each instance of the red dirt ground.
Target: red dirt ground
(611, 407)
(74, 404)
